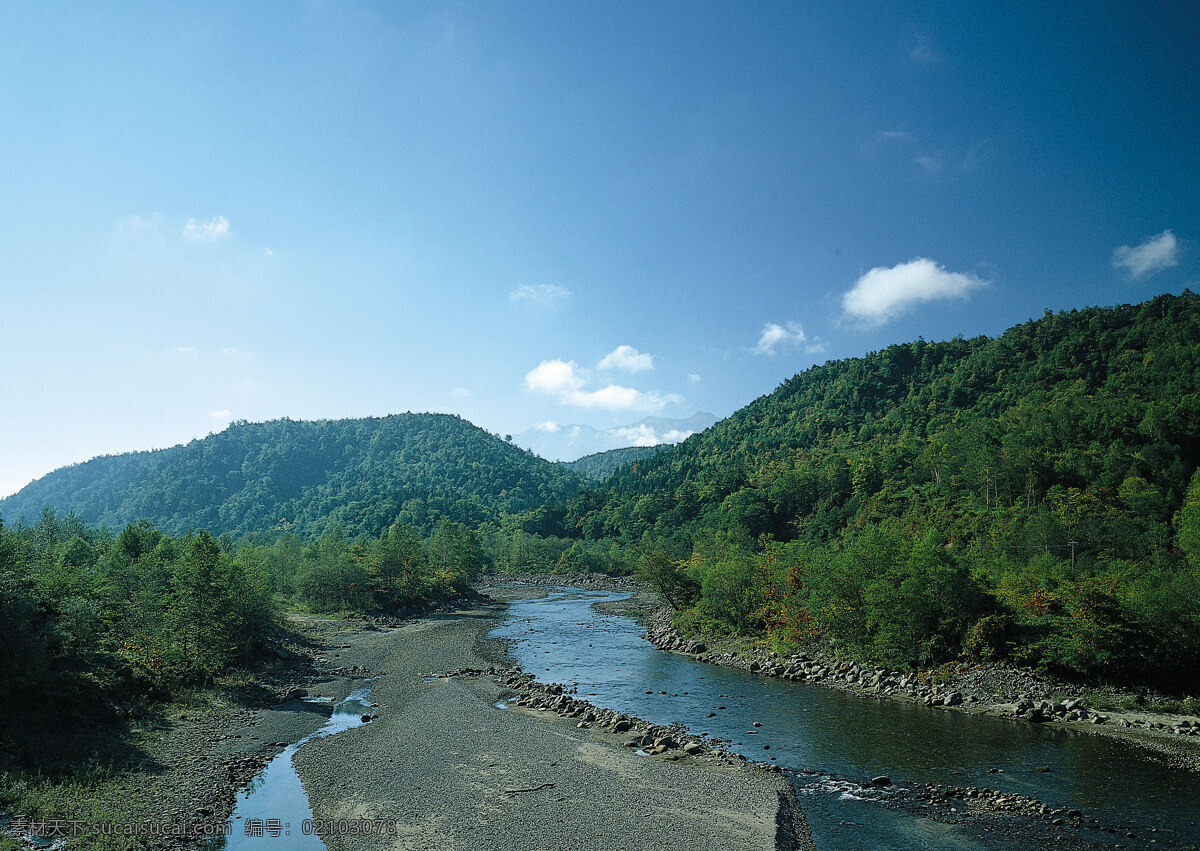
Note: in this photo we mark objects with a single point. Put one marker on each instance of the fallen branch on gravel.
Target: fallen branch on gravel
(534, 789)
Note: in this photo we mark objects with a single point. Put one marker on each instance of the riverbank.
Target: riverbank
(1007, 692)
(467, 774)
(439, 766)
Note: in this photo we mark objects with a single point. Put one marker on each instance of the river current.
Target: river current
(832, 743)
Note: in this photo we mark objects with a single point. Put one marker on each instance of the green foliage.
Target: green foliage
(985, 497)
(667, 574)
(267, 479)
(99, 621)
(1187, 524)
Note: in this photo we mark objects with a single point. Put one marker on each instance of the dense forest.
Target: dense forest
(267, 479)
(109, 623)
(1031, 497)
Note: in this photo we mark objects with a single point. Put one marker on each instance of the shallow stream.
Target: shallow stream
(272, 811)
(846, 740)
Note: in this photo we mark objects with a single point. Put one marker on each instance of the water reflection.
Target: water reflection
(272, 810)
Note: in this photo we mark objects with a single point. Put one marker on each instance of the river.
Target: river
(832, 743)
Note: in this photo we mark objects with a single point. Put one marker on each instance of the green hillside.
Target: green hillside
(303, 477)
(600, 465)
(1018, 495)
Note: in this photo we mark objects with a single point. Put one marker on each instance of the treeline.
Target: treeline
(1020, 498)
(102, 622)
(94, 621)
(397, 570)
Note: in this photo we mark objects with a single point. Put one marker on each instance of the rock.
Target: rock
(952, 699)
(622, 725)
(881, 780)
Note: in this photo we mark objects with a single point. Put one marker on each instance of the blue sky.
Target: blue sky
(555, 212)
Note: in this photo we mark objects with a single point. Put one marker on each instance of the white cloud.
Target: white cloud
(545, 294)
(219, 415)
(268, 252)
(776, 336)
(895, 136)
(566, 380)
(1153, 255)
(883, 293)
(639, 435)
(646, 435)
(210, 231)
(675, 435)
(460, 391)
(627, 358)
(556, 376)
(693, 378)
(185, 351)
(549, 426)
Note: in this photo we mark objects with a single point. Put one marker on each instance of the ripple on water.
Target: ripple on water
(849, 738)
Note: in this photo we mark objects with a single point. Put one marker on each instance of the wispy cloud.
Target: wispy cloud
(929, 163)
(976, 156)
(895, 136)
(219, 415)
(544, 294)
(549, 426)
(567, 381)
(1151, 256)
(214, 229)
(460, 391)
(775, 337)
(693, 378)
(885, 292)
(627, 358)
(922, 52)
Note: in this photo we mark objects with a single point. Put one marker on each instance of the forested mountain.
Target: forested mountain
(1023, 495)
(1099, 407)
(600, 465)
(304, 477)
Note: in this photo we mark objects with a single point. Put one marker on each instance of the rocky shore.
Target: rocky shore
(993, 690)
(451, 762)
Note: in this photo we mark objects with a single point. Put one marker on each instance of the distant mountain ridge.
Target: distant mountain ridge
(287, 475)
(556, 442)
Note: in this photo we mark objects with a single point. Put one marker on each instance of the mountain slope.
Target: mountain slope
(1030, 498)
(1074, 405)
(304, 476)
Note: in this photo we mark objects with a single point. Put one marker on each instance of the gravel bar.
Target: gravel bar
(441, 766)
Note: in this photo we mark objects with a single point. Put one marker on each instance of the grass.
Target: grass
(1124, 701)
